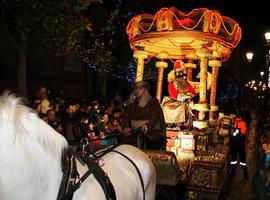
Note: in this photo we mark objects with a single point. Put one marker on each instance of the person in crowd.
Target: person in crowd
(95, 112)
(145, 114)
(116, 102)
(51, 118)
(59, 127)
(266, 148)
(103, 125)
(115, 126)
(238, 145)
(71, 122)
(117, 114)
(109, 110)
(44, 117)
(44, 106)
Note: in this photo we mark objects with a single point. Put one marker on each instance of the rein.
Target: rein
(71, 181)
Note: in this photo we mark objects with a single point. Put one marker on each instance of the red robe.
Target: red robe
(173, 92)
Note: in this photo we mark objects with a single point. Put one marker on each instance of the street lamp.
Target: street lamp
(262, 73)
(249, 56)
(267, 37)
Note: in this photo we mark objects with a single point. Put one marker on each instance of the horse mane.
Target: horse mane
(30, 153)
(19, 122)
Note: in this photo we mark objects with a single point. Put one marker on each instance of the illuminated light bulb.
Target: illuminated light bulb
(253, 82)
(249, 56)
(267, 36)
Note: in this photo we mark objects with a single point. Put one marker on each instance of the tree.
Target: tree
(61, 24)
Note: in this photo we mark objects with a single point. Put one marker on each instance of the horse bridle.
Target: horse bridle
(71, 180)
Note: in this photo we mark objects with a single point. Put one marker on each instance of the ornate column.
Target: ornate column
(203, 81)
(140, 56)
(161, 65)
(215, 64)
(202, 106)
(190, 66)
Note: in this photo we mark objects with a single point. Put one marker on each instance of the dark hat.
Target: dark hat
(144, 84)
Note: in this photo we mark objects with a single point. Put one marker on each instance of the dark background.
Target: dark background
(77, 79)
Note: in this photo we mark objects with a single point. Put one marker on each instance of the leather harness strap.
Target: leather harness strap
(99, 174)
(71, 181)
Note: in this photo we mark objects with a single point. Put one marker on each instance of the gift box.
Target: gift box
(171, 134)
(170, 142)
(187, 141)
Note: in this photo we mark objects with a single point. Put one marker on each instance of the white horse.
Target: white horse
(30, 161)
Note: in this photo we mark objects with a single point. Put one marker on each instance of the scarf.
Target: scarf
(143, 100)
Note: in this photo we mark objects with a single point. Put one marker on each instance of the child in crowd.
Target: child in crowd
(266, 148)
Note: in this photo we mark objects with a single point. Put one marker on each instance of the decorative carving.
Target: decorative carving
(164, 20)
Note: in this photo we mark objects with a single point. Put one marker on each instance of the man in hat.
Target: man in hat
(179, 88)
(145, 114)
(176, 108)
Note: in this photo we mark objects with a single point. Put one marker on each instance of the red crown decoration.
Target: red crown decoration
(178, 33)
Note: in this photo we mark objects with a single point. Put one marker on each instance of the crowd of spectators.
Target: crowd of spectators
(76, 119)
(264, 146)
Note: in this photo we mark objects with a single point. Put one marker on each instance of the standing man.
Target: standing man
(238, 146)
(144, 113)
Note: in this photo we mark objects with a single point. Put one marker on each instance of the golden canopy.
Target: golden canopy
(180, 34)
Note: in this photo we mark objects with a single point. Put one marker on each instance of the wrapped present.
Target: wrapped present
(177, 142)
(171, 134)
(187, 141)
(170, 142)
(173, 142)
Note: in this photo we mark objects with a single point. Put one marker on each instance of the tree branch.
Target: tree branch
(7, 36)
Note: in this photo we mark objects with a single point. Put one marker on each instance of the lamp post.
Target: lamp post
(267, 37)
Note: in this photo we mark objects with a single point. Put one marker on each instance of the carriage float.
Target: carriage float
(192, 42)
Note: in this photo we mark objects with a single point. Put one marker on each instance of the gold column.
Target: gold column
(160, 65)
(203, 55)
(140, 56)
(215, 64)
